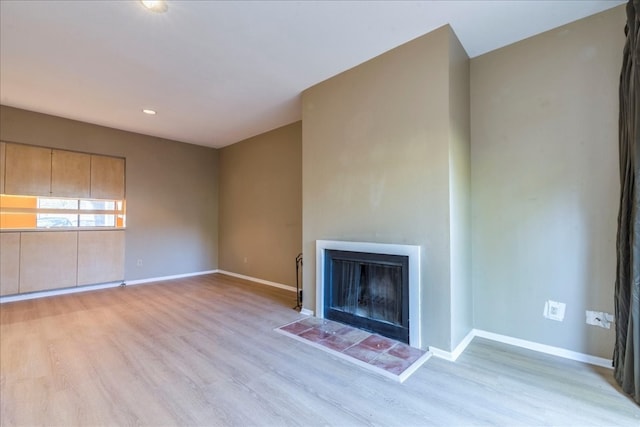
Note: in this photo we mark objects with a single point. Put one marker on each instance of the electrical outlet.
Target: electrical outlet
(139, 263)
(245, 260)
(554, 310)
(599, 318)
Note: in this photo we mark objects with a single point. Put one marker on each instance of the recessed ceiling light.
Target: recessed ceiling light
(149, 112)
(155, 5)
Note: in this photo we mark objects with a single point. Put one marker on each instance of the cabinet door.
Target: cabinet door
(107, 177)
(27, 170)
(100, 257)
(3, 151)
(70, 174)
(48, 260)
(9, 263)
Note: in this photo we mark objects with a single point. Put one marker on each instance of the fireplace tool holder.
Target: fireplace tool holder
(298, 280)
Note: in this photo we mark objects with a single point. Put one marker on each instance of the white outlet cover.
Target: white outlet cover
(599, 318)
(554, 310)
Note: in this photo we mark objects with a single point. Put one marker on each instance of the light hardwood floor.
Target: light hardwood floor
(202, 351)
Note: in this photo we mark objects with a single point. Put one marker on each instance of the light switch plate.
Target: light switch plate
(554, 310)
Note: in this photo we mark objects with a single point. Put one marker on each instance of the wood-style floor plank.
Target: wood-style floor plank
(202, 351)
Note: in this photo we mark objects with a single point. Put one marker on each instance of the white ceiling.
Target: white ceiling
(218, 72)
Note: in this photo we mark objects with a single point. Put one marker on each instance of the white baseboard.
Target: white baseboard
(530, 345)
(460, 348)
(163, 278)
(306, 312)
(76, 289)
(54, 292)
(543, 348)
(261, 281)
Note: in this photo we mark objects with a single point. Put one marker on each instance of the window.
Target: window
(28, 212)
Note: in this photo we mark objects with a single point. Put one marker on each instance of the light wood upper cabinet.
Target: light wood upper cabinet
(100, 257)
(37, 171)
(3, 150)
(27, 170)
(70, 174)
(9, 263)
(48, 260)
(107, 177)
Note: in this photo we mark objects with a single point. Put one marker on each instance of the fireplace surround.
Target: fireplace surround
(324, 249)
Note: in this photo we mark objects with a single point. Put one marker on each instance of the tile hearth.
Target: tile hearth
(385, 356)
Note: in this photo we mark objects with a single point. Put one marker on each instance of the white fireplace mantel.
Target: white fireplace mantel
(411, 251)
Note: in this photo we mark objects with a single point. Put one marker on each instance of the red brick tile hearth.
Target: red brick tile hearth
(380, 354)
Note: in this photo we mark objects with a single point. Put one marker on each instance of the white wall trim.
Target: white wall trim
(460, 348)
(441, 354)
(54, 292)
(163, 278)
(306, 312)
(543, 348)
(73, 290)
(529, 345)
(261, 281)
(77, 289)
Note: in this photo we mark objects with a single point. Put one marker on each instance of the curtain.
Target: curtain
(626, 356)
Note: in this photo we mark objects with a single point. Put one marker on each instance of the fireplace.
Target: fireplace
(372, 286)
(369, 291)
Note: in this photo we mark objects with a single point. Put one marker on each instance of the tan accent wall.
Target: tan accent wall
(376, 166)
(171, 190)
(544, 155)
(261, 205)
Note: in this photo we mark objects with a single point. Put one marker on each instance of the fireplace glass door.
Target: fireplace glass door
(369, 291)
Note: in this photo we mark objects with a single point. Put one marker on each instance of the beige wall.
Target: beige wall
(545, 182)
(376, 165)
(171, 189)
(261, 205)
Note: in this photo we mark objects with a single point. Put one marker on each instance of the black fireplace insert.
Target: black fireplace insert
(369, 291)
